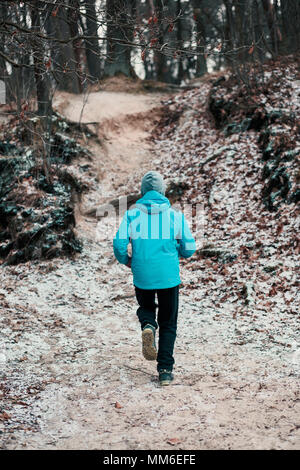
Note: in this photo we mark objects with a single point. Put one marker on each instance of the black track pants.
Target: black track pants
(166, 320)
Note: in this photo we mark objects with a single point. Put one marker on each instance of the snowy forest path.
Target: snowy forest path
(123, 122)
(75, 375)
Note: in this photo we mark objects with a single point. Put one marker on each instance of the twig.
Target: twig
(139, 370)
(218, 153)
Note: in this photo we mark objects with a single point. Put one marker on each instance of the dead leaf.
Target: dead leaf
(4, 416)
(173, 441)
(117, 405)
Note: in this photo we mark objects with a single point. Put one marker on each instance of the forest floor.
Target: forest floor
(73, 376)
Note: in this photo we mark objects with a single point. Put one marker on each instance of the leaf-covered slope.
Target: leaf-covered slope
(239, 155)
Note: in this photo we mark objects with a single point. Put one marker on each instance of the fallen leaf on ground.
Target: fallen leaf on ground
(173, 441)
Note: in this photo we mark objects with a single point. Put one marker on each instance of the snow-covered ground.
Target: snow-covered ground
(71, 350)
(72, 372)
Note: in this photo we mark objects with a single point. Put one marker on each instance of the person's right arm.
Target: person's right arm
(120, 242)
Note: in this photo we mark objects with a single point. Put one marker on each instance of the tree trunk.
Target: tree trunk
(159, 57)
(40, 71)
(148, 62)
(43, 90)
(201, 66)
(73, 20)
(273, 29)
(119, 32)
(63, 56)
(290, 14)
(3, 71)
(92, 44)
(240, 26)
(257, 33)
(229, 33)
(180, 72)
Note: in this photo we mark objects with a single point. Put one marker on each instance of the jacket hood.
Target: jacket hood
(153, 202)
(153, 181)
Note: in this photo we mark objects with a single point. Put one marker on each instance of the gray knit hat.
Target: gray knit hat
(153, 181)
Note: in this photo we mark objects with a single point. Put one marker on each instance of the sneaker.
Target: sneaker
(148, 342)
(165, 377)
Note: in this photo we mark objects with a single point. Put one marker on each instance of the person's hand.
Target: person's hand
(129, 263)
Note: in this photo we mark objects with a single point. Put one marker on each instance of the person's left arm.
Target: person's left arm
(187, 244)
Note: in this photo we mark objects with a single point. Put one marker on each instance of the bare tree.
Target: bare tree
(275, 35)
(290, 17)
(92, 43)
(120, 26)
(199, 17)
(40, 71)
(63, 55)
(159, 56)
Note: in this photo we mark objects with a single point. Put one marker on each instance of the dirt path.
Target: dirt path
(72, 371)
(123, 122)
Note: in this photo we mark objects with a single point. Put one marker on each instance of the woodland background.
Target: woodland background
(96, 94)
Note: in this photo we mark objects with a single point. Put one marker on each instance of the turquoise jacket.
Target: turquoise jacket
(159, 235)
